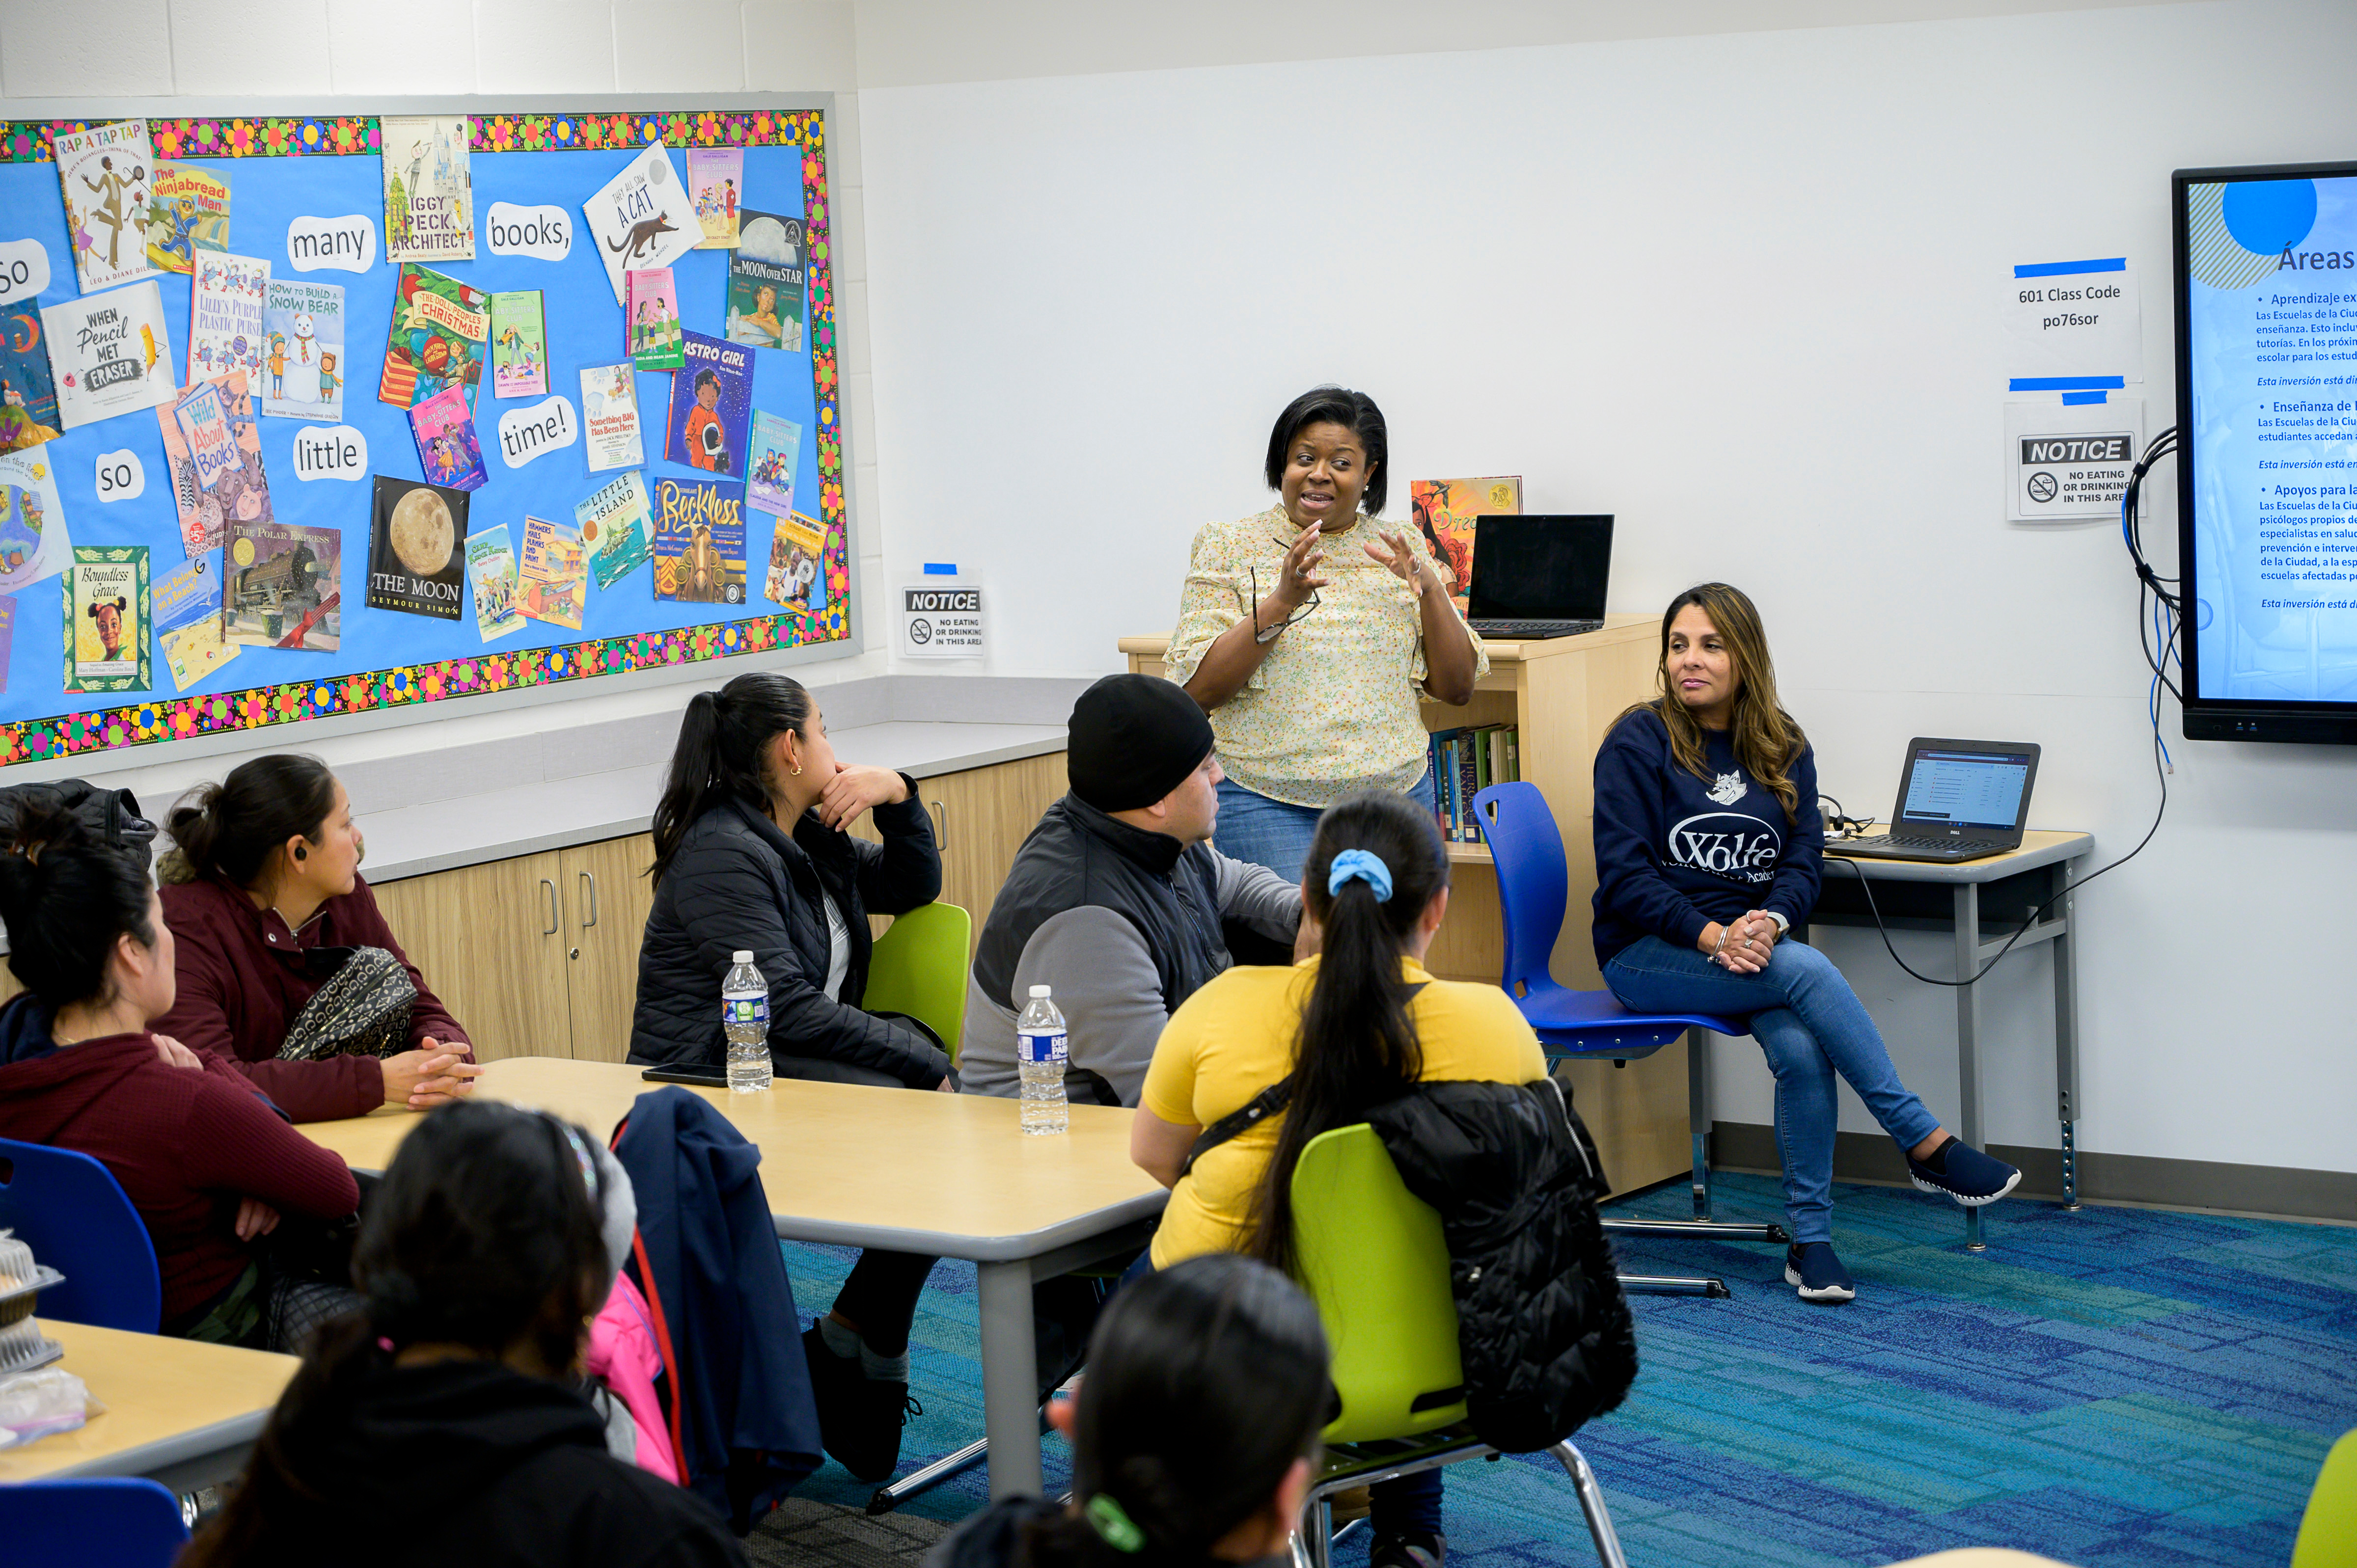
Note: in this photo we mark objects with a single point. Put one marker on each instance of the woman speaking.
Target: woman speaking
(1309, 633)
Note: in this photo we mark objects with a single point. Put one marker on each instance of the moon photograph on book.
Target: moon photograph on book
(422, 531)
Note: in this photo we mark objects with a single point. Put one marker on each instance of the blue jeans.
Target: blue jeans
(1811, 1025)
(1276, 833)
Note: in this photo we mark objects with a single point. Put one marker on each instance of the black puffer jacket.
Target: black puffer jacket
(1541, 1323)
(735, 882)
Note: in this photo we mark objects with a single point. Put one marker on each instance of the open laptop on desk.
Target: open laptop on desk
(1539, 576)
(1958, 799)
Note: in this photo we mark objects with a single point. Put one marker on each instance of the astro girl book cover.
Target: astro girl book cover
(447, 447)
(711, 404)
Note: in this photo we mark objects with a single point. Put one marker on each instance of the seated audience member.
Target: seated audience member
(209, 1165)
(1693, 920)
(1117, 899)
(286, 967)
(1347, 1030)
(1194, 1433)
(751, 855)
(443, 1422)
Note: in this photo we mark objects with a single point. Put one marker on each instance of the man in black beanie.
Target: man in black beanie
(1117, 898)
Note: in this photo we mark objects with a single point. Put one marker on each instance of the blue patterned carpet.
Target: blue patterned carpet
(2111, 1387)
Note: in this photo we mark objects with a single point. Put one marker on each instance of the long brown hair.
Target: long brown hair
(1767, 741)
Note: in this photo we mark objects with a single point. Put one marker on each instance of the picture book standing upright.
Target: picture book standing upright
(303, 336)
(429, 189)
(105, 173)
(1444, 511)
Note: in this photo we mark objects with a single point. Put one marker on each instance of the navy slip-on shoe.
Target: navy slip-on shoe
(1813, 1267)
(1965, 1173)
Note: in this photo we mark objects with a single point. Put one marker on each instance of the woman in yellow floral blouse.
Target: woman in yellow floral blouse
(1309, 632)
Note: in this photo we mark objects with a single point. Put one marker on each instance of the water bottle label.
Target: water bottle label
(1042, 1048)
(745, 1010)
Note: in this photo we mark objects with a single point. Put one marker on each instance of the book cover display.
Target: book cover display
(519, 344)
(652, 315)
(28, 398)
(441, 331)
(225, 315)
(188, 612)
(109, 353)
(106, 612)
(105, 173)
(554, 579)
(616, 527)
(303, 350)
(764, 283)
(642, 217)
(798, 565)
(711, 397)
(492, 571)
(282, 586)
(715, 183)
(429, 189)
(609, 415)
(188, 211)
(239, 492)
(418, 548)
(33, 538)
(447, 447)
(699, 542)
(7, 638)
(777, 451)
(1445, 510)
(203, 422)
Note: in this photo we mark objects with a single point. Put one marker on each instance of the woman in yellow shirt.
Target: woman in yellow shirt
(1346, 1030)
(1309, 633)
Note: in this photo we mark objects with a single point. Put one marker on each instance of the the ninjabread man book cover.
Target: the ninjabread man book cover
(711, 400)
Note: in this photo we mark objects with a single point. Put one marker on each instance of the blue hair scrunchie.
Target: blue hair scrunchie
(1359, 866)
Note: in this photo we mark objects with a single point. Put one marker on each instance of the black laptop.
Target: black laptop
(1959, 800)
(1539, 576)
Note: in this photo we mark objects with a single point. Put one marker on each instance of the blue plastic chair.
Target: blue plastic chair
(1533, 890)
(117, 1522)
(72, 1212)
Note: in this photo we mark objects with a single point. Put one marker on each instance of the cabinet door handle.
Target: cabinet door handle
(940, 826)
(551, 931)
(591, 884)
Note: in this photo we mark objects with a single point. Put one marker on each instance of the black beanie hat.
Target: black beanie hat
(1135, 738)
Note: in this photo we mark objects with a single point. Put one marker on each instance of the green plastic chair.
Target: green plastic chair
(1373, 1256)
(919, 968)
(2327, 1531)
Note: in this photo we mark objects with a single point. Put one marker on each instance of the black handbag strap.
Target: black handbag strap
(1266, 1104)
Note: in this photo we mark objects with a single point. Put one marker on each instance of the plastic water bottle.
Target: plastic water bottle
(1040, 1055)
(745, 1018)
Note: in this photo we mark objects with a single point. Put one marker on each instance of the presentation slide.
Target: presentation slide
(2271, 345)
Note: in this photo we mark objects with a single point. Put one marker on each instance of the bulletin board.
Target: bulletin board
(396, 666)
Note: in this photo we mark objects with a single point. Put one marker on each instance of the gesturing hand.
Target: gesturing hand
(854, 789)
(1300, 579)
(1404, 563)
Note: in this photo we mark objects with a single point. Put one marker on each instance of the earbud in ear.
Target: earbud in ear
(302, 854)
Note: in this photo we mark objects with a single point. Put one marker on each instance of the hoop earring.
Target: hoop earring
(797, 770)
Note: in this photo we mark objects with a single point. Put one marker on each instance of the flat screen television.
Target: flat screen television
(2267, 422)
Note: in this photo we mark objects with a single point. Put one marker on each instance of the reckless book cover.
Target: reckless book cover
(699, 542)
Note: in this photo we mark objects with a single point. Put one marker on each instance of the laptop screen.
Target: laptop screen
(1965, 788)
(1540, 568)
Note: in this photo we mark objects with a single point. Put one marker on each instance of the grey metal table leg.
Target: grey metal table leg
(1698, 1115)
(2066, 1027)
(1968, 1036)
(1010, 1392)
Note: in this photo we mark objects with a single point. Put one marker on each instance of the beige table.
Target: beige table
(949, 1175)
(176, 1412)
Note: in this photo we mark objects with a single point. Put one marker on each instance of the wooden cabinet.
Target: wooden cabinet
(608, 897)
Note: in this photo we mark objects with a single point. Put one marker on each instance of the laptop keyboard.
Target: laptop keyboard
(1489, 626)
(1896, 841)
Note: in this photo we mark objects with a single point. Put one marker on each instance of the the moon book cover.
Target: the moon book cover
(418, 550)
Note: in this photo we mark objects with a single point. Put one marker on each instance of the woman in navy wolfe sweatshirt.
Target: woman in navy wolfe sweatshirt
(1708, 849)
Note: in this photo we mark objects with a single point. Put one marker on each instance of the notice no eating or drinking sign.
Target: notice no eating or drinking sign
(941, 616)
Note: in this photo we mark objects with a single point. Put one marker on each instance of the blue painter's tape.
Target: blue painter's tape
(2072, 400)
(2068, 383)
(937, 569)
(2058, 269)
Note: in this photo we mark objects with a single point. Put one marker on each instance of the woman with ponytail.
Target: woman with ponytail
(1349, 1030)
(211, 1167)
(1194, 1435)
(286, 966)
(444, 1422)
(751, 855)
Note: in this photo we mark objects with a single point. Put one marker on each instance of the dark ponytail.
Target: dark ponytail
(68, 897)
(232, 827)
(1358, 1047)
(483, 1234)
(723, 752)
(1206, 1382)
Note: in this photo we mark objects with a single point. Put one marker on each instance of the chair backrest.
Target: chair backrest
(2328, 1532)
(1534, 881)
(72, 1212)
(117, 1522)
(1372, 1258)
(920, 967)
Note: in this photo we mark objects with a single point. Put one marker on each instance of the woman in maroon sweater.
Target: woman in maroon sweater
(265, 897)
(207, 1163)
